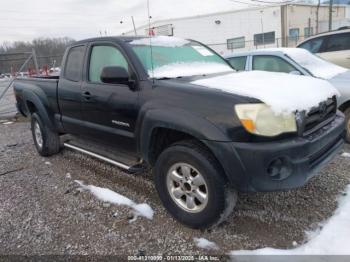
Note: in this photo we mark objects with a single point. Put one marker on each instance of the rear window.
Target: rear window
(238, 63)
(337, 42)
(74, 63)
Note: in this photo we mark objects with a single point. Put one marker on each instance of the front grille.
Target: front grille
(319, 116)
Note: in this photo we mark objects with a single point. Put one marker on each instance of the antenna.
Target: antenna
(133, 23)
(150, 39)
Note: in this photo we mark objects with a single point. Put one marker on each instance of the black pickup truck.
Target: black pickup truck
(135, 104)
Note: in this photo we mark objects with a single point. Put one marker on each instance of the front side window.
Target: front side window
(337, 42)
(238, 63)
(74, 64)
(272, 64)
(313, 45)
(172, 57)
(102, 56)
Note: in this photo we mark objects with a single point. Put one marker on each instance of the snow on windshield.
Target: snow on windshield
(317, 66)
(165, 41)
(284, 93)
(188, 69)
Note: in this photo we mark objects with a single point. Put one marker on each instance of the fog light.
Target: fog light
(279, 169)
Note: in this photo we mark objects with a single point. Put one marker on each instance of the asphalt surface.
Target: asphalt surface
(42, 212)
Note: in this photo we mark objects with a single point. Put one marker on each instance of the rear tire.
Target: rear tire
(191, 184)
(347, 124)
(47, 142)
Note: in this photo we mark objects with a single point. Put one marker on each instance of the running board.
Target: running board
(138, 167)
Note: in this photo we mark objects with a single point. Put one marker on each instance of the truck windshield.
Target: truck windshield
(174, 57)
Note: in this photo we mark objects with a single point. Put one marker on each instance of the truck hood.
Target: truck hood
(284, 93)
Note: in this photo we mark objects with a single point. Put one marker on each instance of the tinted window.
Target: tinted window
(313, 45)
(74, 63)
(337, 42)
(272, 64)
(102, 56)
(238, 63)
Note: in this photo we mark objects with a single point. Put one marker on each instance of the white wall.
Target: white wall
(235, 24)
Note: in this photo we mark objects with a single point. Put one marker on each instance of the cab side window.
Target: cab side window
(238, 63)
(337, 42)
(313, 45)
(102, 56)
(272, 64)
(74, 63)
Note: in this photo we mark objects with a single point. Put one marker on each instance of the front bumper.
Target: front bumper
(286, 164)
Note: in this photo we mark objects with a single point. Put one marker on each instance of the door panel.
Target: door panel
(69, 91)
(341, 58)
(109, 110)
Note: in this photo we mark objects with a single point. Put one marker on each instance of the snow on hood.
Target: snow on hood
(189, 69)
(284, 93)
(317, 66)
(164, 41)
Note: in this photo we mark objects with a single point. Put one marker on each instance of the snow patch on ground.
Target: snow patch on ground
(7, 123)
(317, 66)
(164, 41)
(205, 244)
(284, 93)
(189, 69)
(107, 195)
(332, 239)
(345, 154)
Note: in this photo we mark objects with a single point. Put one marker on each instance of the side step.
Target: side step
(136, 168)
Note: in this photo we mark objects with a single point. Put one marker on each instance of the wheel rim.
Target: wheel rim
(187, 187)
(38, 135)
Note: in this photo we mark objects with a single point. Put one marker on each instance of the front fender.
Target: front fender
(175, 119)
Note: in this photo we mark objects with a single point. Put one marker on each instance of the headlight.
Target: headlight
(259, 119)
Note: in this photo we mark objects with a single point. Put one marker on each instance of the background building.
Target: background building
(266, 26)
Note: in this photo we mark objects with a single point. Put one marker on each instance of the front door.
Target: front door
(109, 110)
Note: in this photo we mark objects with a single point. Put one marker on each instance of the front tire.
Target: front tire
(347, 124)
(47, 142)
(192, 186)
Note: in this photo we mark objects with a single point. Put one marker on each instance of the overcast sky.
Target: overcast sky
(28, 19)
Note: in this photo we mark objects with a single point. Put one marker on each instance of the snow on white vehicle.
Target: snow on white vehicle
(299, 62)
(177, 106)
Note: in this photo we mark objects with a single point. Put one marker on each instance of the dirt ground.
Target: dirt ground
(42, 212)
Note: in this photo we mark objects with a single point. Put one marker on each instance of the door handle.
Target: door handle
(87, 95)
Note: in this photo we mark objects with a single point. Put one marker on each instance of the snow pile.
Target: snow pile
(205, 244)
(284, 93)
(107, 195)
(345, 154)
(7, 123)
(317, 66)
(332, 239)
(189, 69)
(163, 41)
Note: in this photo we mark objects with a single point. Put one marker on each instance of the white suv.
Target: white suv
(333, 46)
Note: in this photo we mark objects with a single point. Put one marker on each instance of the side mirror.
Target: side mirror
(114, 75)
(295, 73)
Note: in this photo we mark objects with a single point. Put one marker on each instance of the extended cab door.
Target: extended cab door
(69, 90)
(337, 49)
(109, 110)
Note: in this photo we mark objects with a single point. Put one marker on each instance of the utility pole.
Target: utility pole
(317, 16)
(133, 23)
(330, 15)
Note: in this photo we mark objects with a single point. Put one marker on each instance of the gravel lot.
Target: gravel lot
(42, 211)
